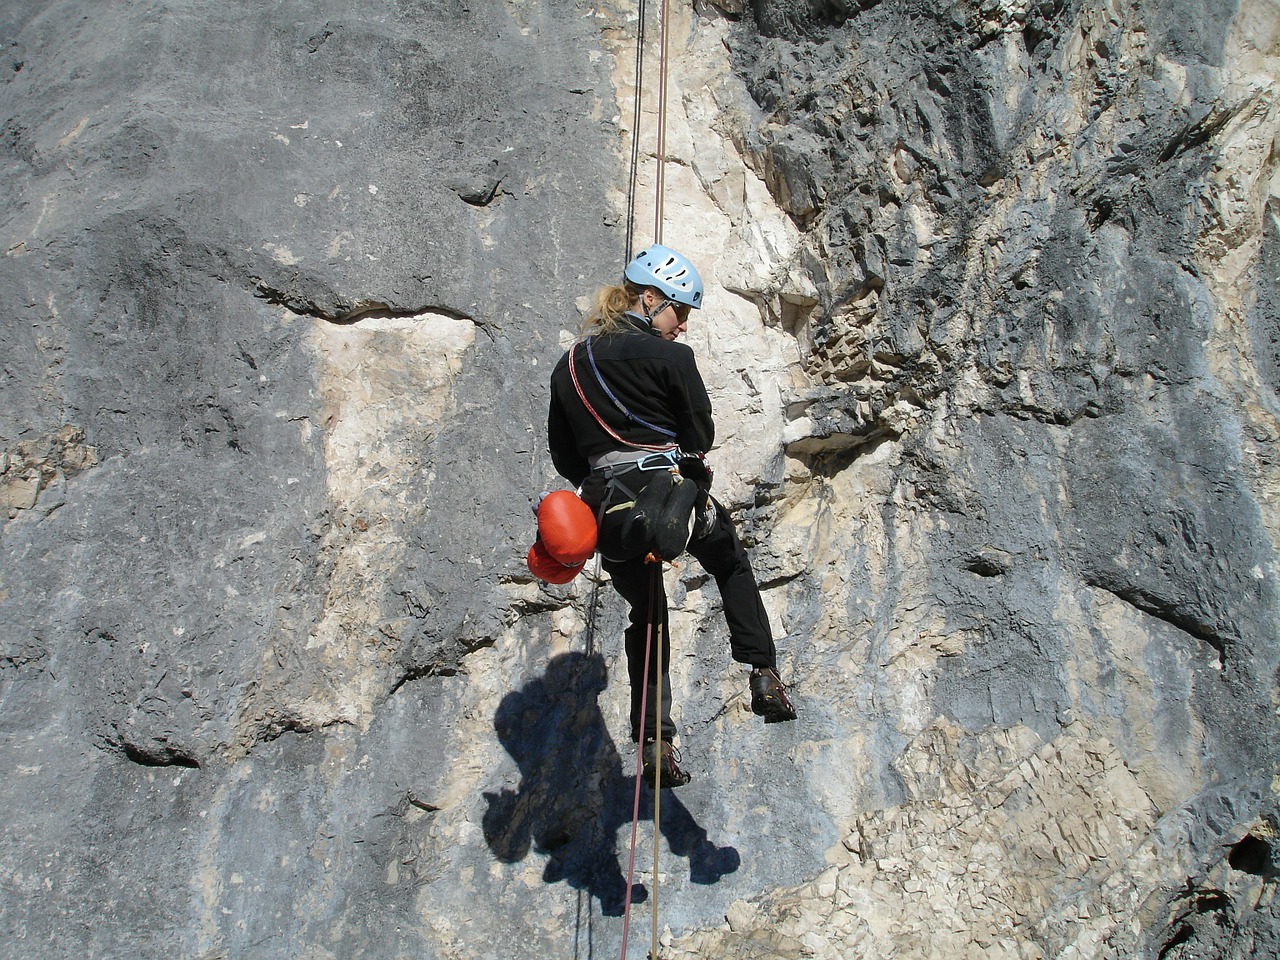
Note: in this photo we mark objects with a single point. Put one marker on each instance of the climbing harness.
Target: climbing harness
(615, 471)
(649, 457)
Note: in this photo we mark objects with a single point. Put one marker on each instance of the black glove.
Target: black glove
(694, 466)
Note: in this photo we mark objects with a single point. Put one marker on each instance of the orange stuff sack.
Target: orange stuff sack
(567, 528)
(547, 568)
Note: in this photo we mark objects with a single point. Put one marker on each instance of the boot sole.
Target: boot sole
(773, 711)
(668, 784)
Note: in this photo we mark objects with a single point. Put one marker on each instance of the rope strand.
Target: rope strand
(636, 116)
(635, 806)
(662, 123)
(657, 790)
(655, 570)
(635, 134)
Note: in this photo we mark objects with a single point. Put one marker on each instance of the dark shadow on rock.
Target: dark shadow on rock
(573, 796)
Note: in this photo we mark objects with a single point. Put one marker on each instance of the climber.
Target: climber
(627, 405)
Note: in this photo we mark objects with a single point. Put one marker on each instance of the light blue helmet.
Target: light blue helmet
(669, 271)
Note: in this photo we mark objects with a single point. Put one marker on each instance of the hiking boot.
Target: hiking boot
(672, 775)
(769, 697)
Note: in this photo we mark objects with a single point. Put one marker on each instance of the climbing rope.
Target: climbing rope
(662, 124)
(657, 789)
(635, 806)
(655, 569)
(634, 173)
(636, 114)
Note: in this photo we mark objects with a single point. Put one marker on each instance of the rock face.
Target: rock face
(992, 337)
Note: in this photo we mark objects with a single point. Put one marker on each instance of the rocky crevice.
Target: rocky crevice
(345, 312)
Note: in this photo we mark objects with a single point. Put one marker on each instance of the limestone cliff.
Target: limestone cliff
(991, 334)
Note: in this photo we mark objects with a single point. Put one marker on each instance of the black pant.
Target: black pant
(722, 555)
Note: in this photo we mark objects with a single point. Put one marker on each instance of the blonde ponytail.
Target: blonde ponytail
(611, 303)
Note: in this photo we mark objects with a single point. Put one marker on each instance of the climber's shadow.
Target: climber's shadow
(573, 796)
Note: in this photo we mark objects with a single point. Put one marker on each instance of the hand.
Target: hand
(695, 467)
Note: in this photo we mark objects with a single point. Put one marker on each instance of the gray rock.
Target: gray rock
(286, 285)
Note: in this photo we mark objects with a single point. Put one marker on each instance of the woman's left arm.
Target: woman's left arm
(695, 428)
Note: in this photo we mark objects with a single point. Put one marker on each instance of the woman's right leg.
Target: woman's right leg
(640, 584)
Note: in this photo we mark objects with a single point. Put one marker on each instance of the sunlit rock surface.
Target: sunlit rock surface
(991, 333)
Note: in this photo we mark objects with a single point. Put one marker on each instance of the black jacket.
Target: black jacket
(656, 379)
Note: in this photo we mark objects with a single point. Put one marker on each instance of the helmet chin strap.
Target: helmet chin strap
(650, 314)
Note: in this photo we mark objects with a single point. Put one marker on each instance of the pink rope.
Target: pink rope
(635, 807)
(648, 636)
(573, 372)
(662, 123)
